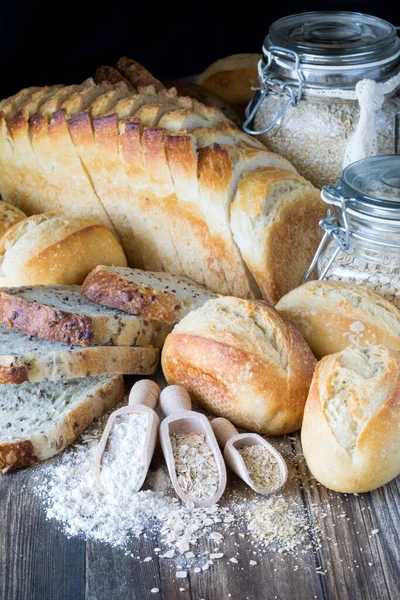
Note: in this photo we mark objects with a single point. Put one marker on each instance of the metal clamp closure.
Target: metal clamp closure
(332, 229)
(275, 86)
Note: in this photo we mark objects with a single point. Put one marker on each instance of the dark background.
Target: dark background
(44, 42)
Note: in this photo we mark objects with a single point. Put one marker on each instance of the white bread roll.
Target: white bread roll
(51, 250)
(9, 215)
(331, 315)
(241, 360)
(350, 432)
(233, 78)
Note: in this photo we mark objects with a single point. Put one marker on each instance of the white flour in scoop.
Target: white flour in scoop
(123, 459)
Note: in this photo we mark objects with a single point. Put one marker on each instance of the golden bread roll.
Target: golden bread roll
(232, 78)
(350, 432)
(46, 249)
(331, 315)
(241, 360)
(9, 215)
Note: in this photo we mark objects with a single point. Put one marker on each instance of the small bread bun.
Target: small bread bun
(45, 249)
(332, 315)
(241, 360)
(350, 432)
(232, 78)
(9, 215)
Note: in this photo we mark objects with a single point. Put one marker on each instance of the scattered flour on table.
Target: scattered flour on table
(66, 485)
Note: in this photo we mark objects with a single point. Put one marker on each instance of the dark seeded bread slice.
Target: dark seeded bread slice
(161, 296)
(38, 420)
(62, 314)
(28, 358)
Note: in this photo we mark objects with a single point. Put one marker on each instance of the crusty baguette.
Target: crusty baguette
(241, 360)
(350, 433)
(45, 249)
(39, 420)
(28, 358)
(274, 219)
(62, 314)
(160, 296)
(332, 315)
(9, 215)
(162, 169)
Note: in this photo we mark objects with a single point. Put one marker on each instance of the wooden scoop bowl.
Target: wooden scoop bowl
(143, 399)
(231, 440)
(177, 406)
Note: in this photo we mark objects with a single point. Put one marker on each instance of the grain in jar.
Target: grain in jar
(361, 242)
(329, 91)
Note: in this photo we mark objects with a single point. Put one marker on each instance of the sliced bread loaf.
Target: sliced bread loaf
(28, 358)
(38, 420)
(161, 296)
(62, 314)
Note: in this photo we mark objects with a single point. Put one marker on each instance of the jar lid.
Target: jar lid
(370, 187)
(364, 46)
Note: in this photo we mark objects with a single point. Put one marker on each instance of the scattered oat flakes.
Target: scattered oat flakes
(195, 465)
(181, 574)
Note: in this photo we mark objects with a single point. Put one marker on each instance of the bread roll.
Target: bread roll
(350, 432)
(241, 360)
(331, 315)
(232, 78)
(44, 249)
(274, 220)
(9, 215)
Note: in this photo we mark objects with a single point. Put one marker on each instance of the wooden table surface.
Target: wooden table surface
(38, 562)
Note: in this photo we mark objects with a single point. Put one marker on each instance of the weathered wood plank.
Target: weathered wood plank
(357, 563)
(37, 562)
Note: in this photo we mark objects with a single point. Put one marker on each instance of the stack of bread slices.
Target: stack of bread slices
(63, 351)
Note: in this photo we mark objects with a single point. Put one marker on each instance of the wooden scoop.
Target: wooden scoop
(143, 399)
(231, 440)
(176, 405)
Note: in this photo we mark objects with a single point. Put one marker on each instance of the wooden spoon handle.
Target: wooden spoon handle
(146, 393)
(173, 398)
(223, 430)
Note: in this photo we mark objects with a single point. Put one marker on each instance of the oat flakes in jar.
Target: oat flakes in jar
(329, 91)
(361, 241)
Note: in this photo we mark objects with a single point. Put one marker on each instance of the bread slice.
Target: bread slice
(39, 420)
(62, 314)
(160, 296)
(28, 358)
(274, 218)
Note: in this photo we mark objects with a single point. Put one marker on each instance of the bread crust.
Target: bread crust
(45, 249)
(375, 458)
(332, 315)
(9, 215)
(110, 289)
(44, 321)
(237, 377)
(233, 78)
(23, 453)
(274, 219)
